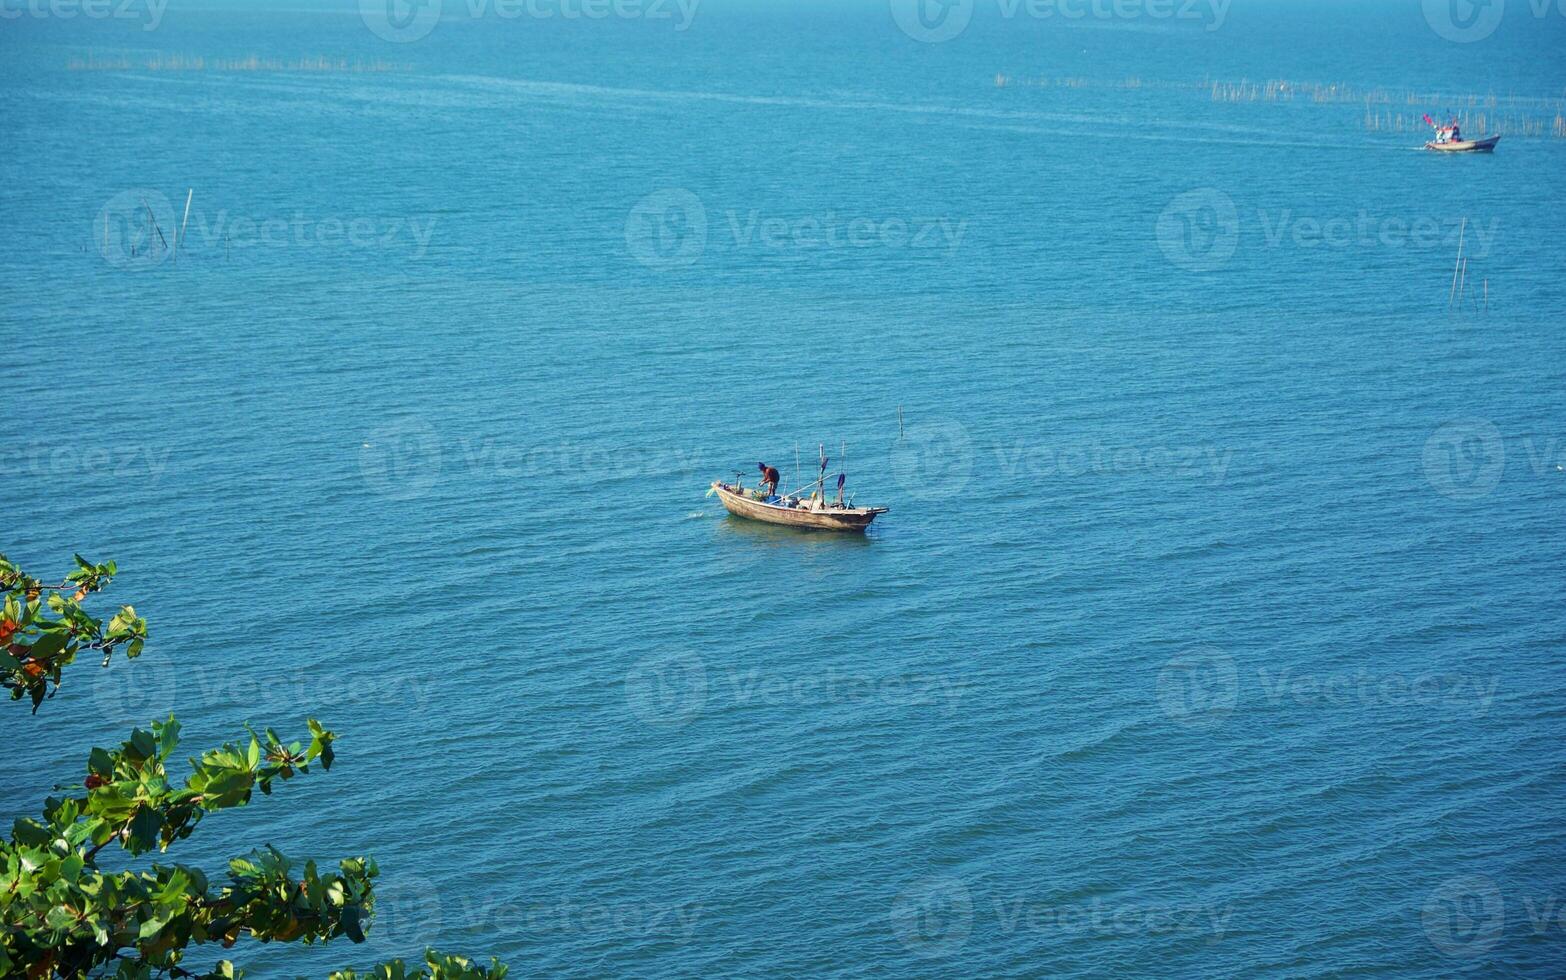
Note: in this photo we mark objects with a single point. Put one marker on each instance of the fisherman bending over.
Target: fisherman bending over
(769, 479)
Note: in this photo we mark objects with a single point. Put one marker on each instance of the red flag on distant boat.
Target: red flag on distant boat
(1428, 120)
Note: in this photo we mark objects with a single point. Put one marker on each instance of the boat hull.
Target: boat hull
(853, 519)
(1485, 145)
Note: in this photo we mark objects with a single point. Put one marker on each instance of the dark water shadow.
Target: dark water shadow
(740, 529)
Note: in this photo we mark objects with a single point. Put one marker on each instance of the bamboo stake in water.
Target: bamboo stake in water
(180, 238)
(899, 421)
(151, 217)
(1452, 296)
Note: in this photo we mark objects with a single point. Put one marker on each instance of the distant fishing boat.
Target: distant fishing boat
(1449, 139)
(794, 509)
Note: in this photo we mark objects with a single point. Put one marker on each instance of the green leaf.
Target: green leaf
(30, 833)
(168, 737)
(48, 646)
(144, 829)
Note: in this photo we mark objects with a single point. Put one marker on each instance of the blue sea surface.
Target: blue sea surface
(1216, 627)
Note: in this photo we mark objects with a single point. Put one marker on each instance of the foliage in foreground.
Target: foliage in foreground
(63, 916)
(41, 634)
(436, 967)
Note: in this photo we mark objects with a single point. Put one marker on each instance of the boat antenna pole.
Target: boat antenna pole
(821, 475)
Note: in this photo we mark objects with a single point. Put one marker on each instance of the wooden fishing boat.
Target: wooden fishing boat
(1486, 145)
(1449, 139)
(807, 513)
(795, 509)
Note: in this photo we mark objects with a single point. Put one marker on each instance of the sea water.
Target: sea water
(1215, 627)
